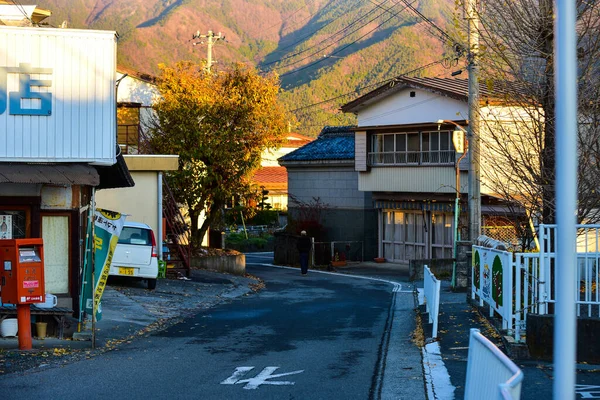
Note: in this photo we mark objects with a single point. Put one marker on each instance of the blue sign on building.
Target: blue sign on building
(40, 103)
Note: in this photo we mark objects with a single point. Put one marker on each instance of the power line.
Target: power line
(380, 83)
(309, 34)
(443, 34)
(285, 19)
(342, 49)
(22, 9)
(325, 40)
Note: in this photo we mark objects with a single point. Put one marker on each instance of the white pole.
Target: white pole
(93, 266)
(566, 199)
(160, 218)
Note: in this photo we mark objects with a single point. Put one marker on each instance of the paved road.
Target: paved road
(320, 336)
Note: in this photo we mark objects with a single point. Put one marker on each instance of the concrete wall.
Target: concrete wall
(348, 213)
(442, 267)
(335, 186)
(140, 201)
(540, 338)
(234, 264)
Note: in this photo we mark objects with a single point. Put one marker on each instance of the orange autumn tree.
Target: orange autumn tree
(219, 124)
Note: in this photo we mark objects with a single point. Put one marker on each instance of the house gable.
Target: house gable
(412, 106)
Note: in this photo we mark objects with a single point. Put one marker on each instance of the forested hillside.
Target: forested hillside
(322, 49)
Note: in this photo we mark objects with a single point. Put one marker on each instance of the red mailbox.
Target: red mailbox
(22, 271)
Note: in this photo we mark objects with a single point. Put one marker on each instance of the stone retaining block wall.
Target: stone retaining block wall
(232, 264)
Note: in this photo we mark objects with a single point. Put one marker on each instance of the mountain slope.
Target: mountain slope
(320, 48)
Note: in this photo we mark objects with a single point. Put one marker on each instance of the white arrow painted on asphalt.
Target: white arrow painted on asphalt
(237, 374)
(260, 379)
(588, 391)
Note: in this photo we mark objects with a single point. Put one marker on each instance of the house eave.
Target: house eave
(320, 163)
(408, 127)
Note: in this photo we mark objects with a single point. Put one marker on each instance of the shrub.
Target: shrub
(239, 242)
(265, 217)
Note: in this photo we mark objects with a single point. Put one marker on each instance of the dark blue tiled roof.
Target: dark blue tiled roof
(333, 143)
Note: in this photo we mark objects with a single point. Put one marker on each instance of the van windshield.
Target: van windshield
(130, 235)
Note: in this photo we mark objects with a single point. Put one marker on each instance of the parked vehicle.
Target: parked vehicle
(136, 256)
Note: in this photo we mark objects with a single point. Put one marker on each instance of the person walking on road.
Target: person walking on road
(304, 245)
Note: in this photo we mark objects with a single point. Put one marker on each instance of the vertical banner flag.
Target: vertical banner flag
(107, 228)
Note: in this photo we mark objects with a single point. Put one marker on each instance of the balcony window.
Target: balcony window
(411, 148)
(128, 127)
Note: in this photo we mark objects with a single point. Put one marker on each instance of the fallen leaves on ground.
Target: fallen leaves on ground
(418, 336)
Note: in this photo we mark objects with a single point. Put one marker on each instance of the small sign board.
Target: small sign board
(458, 140)
(6, 227)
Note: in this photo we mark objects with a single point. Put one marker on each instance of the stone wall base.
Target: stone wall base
(540, 338)
(441, 268)
(231, 264)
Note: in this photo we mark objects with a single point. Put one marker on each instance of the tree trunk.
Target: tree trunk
(194, 215)
(211, 218)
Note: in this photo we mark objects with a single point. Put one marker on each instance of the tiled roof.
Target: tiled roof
(270, 175)
(333, 143)
(453, 88)
(296, 140)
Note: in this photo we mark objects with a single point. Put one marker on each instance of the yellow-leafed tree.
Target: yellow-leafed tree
(219, 124)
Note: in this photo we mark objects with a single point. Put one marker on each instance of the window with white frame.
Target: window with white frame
(413, 148)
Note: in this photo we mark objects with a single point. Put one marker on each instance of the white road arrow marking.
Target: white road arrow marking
(260, 379)
(237, 374)
(588, 391)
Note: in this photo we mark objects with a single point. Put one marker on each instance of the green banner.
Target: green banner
(107, 228)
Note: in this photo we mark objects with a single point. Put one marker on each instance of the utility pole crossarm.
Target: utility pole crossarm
(211, 39)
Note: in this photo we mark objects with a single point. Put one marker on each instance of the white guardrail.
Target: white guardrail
(515, 284)
(490, 373)
(431, 289)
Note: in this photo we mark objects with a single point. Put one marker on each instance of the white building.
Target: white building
(408, 162)
(57, 140)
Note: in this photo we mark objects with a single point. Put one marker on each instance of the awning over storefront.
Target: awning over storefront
(55, 174)
(115, 176)
(415, 205)
(100, 177)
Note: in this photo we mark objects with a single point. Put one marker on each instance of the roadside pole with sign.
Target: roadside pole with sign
(103, 234)
(461, 145)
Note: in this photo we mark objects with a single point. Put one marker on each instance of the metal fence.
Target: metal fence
(490, 373)
(491, 278)
(325, 252)
(528, 287)
(515, 284)
(431, 288)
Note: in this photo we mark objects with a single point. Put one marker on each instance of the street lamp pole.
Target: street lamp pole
(459, 144)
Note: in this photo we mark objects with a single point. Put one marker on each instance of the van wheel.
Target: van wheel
(151, 284)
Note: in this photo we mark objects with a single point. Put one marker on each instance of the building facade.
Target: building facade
(322, 175)
(57, 142)
(405, 157)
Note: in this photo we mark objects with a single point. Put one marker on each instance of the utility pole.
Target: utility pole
(211, 39)
(473, 128)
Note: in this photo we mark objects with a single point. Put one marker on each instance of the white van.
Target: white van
(135, 255)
